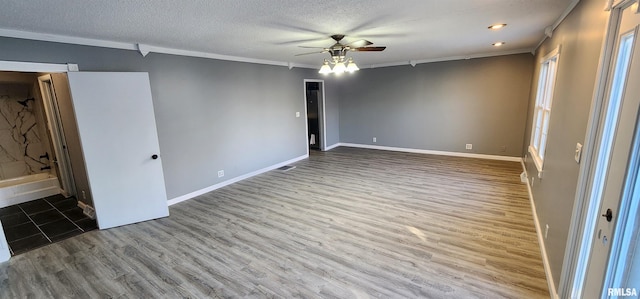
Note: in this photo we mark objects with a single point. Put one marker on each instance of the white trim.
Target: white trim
(193, 194)
(554, 52)
(306, 122)
(181, 52)
(18, 66)
(450, 58)
(557, 23)
(65, 39)
(536, 159)
(543, 251)
(431, 152)
(328, 148)
(57, 136)
(142, 48)
(324, 120)
(145, 49)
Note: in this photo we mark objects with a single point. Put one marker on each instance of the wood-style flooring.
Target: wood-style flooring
(349, 223)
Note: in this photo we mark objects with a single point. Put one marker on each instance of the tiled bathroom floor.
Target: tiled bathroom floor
(44, 221)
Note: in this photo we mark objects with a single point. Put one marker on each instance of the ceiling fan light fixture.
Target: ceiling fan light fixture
(351, 66)
(325, 69)
(339, 68)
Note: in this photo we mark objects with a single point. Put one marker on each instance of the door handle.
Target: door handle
(608, 215)
(154, 156)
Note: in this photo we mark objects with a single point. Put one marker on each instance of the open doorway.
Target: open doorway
(96, 125)
(314, 103)
(37, 190)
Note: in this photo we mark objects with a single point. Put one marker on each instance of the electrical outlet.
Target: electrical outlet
(84, 195)
(546, 231)
(469, 146)
(375, 139)
(297, 114)
(220, 173)
(503, 148)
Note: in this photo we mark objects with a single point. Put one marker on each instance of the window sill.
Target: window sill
(536, 160)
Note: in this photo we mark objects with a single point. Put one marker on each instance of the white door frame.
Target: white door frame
(35, 67)
(586, 207)
(323, 132)
(54, 123)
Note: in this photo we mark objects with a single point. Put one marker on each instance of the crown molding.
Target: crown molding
(145, 49)
(450, 58)
(548, 32)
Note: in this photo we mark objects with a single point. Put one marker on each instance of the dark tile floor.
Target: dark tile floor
(43, 221)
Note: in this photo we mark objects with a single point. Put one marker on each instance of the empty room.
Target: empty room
(320, 149)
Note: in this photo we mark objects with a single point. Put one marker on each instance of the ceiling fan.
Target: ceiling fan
(338, 52)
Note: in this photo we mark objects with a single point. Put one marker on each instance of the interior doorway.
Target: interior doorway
(314, 106)
(37, 190)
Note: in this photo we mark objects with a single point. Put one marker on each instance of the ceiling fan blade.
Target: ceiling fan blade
(307, 47)
(359, 43)
(369, 49)
(320, 52)
(300, 41)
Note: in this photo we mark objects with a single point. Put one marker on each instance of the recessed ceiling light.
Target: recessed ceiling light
(497, 26)
(498, 44)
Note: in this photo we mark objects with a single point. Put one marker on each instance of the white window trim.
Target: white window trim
(537, 160)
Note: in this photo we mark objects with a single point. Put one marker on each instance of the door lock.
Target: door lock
(608, 215)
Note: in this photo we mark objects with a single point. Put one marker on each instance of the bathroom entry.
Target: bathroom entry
(315, 113)
(25, 154)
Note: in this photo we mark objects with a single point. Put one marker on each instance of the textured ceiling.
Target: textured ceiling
(272, 30)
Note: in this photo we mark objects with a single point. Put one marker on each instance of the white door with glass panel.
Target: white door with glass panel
(611, 259)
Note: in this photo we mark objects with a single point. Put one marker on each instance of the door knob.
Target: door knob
(154, 157)
(608, 215)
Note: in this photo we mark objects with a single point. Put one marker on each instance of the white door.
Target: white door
(119, 141)
(623, 88)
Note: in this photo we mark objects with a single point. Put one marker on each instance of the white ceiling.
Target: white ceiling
(412, 30)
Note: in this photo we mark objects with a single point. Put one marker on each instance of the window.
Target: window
(542, 112)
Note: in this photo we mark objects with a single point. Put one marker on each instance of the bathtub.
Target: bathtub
(26, 188)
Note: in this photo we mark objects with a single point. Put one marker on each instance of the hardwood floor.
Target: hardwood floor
(349, 223)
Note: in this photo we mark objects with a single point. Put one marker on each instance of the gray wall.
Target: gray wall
(580, 36)
(332, 109)
(211, 114)
(440, 106)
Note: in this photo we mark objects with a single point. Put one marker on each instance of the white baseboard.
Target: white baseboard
(233, 180)
(543, 251)
(431, 152)
(330, 147)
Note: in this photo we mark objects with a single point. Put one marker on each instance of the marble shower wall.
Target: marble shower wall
(22, 151)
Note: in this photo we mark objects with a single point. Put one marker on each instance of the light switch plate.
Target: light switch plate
(297, 114)
(578, 153)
